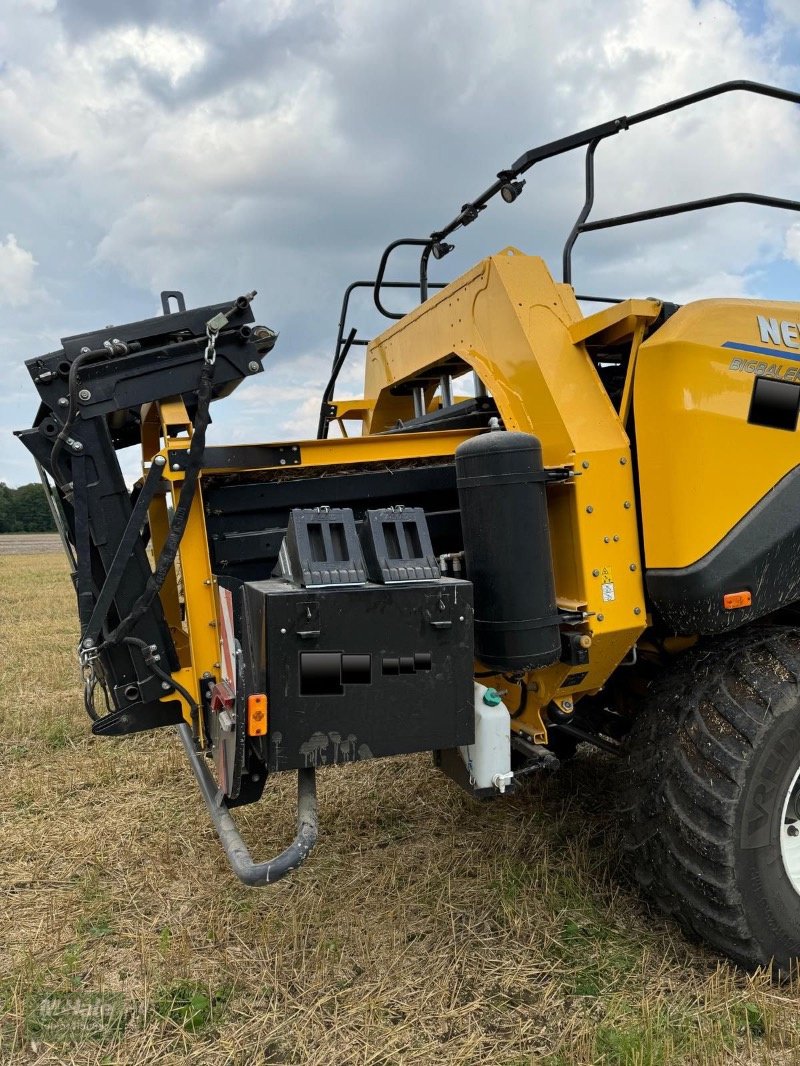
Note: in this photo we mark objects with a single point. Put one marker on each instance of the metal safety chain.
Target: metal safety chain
(219, 322)
(88, 655)
(213, 326)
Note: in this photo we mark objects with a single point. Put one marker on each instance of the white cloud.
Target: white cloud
(280, 145)
(17, 268)
(785, 9)
(731, 284)
(39, 6)
(303, 421)
(791, 248)
(156, 49)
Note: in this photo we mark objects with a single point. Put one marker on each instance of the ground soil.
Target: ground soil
(29, 543)
(426, 928)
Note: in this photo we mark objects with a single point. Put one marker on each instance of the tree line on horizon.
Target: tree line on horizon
(25, 510)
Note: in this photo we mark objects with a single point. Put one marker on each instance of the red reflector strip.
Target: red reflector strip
(257, 715)
(732, 600)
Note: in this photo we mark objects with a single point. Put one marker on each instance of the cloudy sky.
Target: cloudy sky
(216, 147)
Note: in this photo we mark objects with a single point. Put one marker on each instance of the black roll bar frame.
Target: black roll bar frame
(508, 179)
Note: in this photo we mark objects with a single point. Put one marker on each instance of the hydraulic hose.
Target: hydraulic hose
(271, 870)
(87, 356)
(523, 696)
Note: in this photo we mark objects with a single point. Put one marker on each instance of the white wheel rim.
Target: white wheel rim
(790, 835)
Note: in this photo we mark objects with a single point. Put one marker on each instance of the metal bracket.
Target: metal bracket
(152, 715)
(560, 473)
(249, 457)
(172, 294)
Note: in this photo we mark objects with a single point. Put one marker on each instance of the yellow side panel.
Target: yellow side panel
(512, 324)
(702, 466)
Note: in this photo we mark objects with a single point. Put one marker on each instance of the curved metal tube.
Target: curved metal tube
(419, 242)
(327, 395)
(271, 870)
(588, 138)
(371, 285)
(692, 205)
(423, 272)
(588, 203)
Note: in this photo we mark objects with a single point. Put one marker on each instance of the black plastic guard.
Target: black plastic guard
(760, 555)
(139, 718)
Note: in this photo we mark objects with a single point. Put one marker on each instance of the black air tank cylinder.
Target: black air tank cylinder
(501, 494)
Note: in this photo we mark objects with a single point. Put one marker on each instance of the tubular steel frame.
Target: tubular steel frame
(590, 138)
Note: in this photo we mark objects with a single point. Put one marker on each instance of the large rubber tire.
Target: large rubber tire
(707, 769)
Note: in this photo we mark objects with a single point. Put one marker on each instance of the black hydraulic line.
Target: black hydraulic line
(151, 658)
(327, 395)
(89, 685)
(236, 852)
(612, 747)
(692, 205)
(523, 698)
(72, 411)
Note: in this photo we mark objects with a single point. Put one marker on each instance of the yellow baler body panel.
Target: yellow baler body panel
(702, 465)
(511, 323)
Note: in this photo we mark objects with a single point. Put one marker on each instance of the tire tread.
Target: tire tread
(684, 769)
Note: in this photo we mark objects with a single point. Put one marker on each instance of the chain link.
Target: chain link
(210, 355)
(87, 656)
(218, 322)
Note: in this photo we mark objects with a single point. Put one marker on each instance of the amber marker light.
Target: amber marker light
(257, 715)
(732, 600)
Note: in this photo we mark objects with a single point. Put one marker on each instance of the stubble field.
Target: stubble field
(426, 928)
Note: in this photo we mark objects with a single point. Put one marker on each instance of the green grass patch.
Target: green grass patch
(596, 957)
(95, 925)
(191, 1005)
(749, 1019)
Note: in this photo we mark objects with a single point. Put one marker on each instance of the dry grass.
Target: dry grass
(426, 928)
(29, 543)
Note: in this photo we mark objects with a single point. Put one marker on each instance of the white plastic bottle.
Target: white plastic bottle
(488, 760)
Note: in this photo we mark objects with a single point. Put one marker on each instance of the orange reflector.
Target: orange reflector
(257, 715)
(732, 600)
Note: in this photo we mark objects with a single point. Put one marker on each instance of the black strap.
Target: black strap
(180, 516)
(522, 625)
(83, 573)
(521, 478)
(122, 555)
